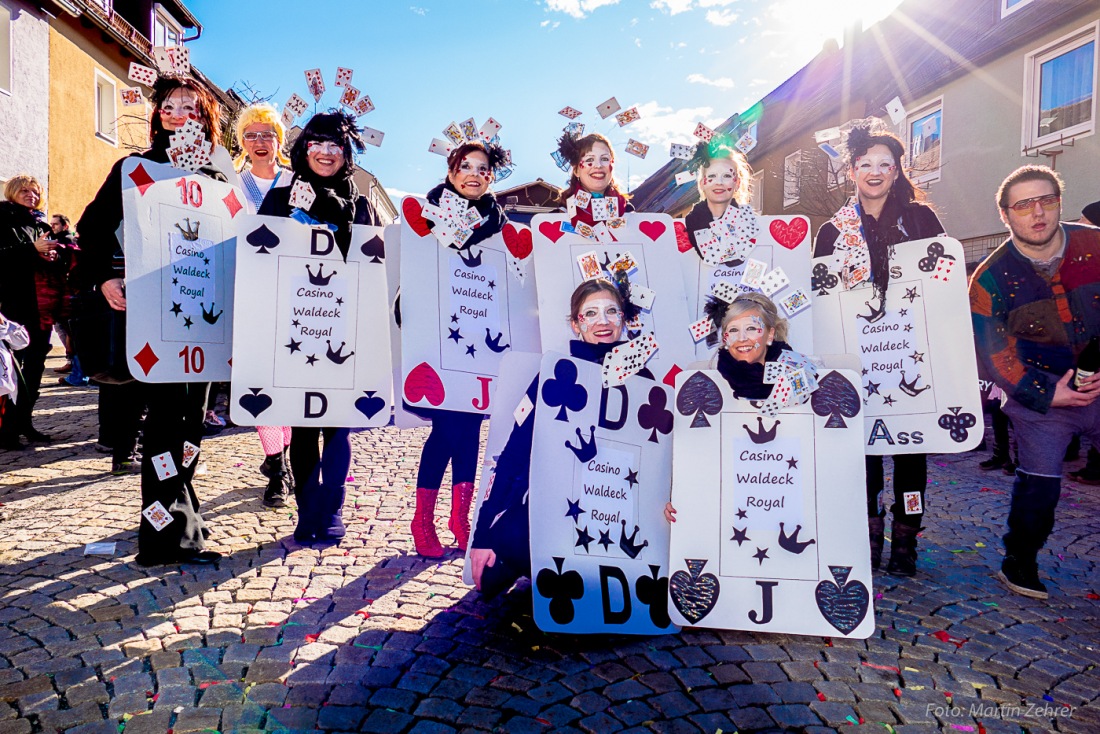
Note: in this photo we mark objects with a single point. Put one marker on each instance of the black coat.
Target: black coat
(746, 379)
(330, 207)
(19, 228)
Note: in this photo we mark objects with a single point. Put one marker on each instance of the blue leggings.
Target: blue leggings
(454, 438)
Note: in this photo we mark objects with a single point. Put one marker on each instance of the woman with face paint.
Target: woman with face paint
(323, 157)
(500, 549)
(723, 178)
(752, 333)
(175, 410)
(890, 212)
(592, 164)
(455, 436)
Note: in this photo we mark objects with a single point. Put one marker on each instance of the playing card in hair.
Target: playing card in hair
(701, 328)
(774, 281)
(373, 137)
(684, 177)
(296, 104)
(896, 110)
(754, 273)
(638, 148)
(608, 108)
(287, 118)
(724, 290)
(163, 60)
(181, 59)
(157, 515)
(469, 129)
(349, 97)
(681, 151)
(641, 296)
(627, 117)
(574, 128)
(343, 76)
(142, 74)
(454, 134)
(440, 147)
(746, 143)
(490, 129)
(315, 83)
(363, 105)
(624, 263)
(132, 96)
(795, 302)
(589, 263)
(703, 132)
(302, 195)
(571, 112)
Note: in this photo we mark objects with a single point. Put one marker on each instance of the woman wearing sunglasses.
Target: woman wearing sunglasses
(890, 212)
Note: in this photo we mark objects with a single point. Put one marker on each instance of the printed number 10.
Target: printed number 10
(193, 360)
(190, 192)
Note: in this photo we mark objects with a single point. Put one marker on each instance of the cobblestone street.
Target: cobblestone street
(368, 637)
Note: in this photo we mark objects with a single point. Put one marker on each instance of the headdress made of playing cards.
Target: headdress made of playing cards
(171, 62)
(718, 305)
(719, 146)
(460, 139)
(352, 101)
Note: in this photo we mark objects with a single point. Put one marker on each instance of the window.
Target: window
(1060, 89)
(792, 178)
(925, 133)
(1008, 7)
(5, 48)
(105, 113)
(756, 192)
(166, 31)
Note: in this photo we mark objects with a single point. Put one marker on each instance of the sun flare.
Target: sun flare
(811, 22)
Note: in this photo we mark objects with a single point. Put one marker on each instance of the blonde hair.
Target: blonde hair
(16, 183)
(261, 113)
(741, 169)
(745, 302)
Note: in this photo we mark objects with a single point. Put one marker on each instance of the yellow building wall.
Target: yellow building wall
(79, 158)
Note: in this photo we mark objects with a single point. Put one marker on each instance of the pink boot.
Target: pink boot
(459, 524)
(423, 524)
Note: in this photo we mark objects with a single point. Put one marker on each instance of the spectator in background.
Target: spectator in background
(65, 238)
(1090, 472)
(1091, 214)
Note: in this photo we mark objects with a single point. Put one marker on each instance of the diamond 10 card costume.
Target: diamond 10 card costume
(920, 374)
(178, 230)
(601, 465)
(746, 252)
(312, 345)
(463, 307)
(643, 246)
(770, 532)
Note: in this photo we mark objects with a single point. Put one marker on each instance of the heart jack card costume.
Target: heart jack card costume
(771, 529)
(564, 259)
(313, 342)
(462, 309)
(600, 474)
(179, 234)
(920, 375)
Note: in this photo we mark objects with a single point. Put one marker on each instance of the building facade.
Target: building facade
(24, 90)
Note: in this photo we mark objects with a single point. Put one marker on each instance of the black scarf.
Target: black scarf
(591, 352)
(486, 206)
(881, 235)
(746, 379)
(335, 203)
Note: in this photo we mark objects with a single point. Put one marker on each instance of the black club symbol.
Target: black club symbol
(928, 264)
(822, 280)
(956, 424)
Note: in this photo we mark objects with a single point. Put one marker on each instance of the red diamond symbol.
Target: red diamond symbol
(141, 179)
(232, 204)
(146, 358)
(670, 376)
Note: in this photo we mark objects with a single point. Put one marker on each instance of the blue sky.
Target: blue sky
(428, 63)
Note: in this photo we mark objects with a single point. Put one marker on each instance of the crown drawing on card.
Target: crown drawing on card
(319, 278)
(587, 450)
(910, 387)
(760, 435)
(189, 234)
(628, 545)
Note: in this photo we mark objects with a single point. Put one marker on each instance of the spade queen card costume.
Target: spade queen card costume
(312, 344)
(179, 232)
(920, 375)
(770, 532)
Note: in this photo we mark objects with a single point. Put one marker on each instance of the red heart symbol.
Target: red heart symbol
(517, 240)
(551, 230)
(789, 234)
(411, 208)
(683, 244)
(424, 384)
(652, 230)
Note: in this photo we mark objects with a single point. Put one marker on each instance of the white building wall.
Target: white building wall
(24, 106)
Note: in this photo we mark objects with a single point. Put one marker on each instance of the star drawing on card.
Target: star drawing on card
(911, 294)
(176, 309)
(632, 477)
(605, 539)
(471, 350)
(888, 400)
(583, 538)
(455, 334)
(294, 346)
(760, 555)
(741, 535)
(574, 510)
(741, 514)
(187, 321)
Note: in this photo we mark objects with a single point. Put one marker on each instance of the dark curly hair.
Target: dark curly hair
(336, 127)
(493, 151)
(619, 290)
(866, 134)
(573, 148)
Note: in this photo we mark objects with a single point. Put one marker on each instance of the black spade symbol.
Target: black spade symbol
(652, 590)
(837, 398)
(263, 239)
(370, 404)
(956, 424)
(654, 416)
(255, 403)
(693, 592)
(843, 604)
(374, 248)
(699, 395)
(562, 391)
(561, 589)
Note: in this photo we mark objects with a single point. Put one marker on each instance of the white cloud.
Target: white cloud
(723, 82)
(549, 25)
(577, 8)
(418, 10)
(721, 18)
(758, 82)
(396, 195)
(638, 42)
(659, 126)
(672, 7)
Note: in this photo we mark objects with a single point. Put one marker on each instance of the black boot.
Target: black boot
(903, 550)
(277, 481)
(875, 528)
(1022, 576)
